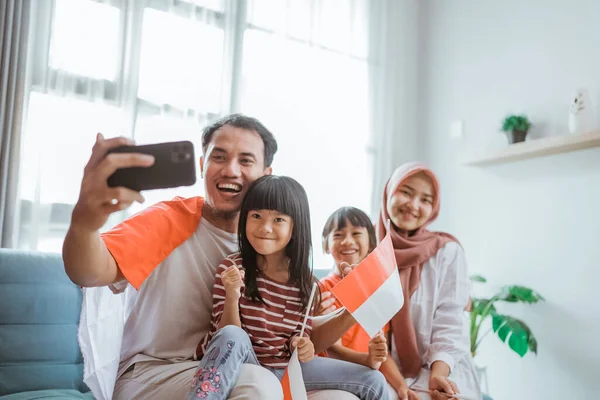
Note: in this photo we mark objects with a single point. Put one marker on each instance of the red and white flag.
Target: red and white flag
(372, 292)
(292, 382)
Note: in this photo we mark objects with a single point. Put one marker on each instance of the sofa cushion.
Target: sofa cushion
(49, 394)
(38, 324)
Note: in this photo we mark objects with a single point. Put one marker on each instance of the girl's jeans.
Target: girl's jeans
(230, 348)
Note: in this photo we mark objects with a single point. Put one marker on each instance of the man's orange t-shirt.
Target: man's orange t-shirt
(356, 338)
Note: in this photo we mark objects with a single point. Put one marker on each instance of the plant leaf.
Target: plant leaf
(532, 344)
(480, 304)
(514, 294)
(477, 278)
(520, 337)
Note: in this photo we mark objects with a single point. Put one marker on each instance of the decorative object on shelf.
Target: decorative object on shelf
(538, 148)
(581, 115)
(516, 128)
(509, 329)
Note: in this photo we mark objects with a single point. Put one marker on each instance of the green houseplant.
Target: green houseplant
(520, 338)
(516, 127)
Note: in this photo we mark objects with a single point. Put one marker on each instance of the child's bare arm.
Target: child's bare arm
(338, 351)
(232, 279)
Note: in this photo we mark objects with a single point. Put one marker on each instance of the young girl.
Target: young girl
(260, 297)
(430, 333)
(349, 237)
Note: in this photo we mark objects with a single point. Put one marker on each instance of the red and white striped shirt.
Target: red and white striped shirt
(269, 326)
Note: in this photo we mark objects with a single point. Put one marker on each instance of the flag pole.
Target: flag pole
(310, 301)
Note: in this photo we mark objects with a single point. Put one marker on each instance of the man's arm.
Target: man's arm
(330, 328)
(87, 260)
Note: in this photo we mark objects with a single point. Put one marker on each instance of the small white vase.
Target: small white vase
(581, 115)
(482, 378)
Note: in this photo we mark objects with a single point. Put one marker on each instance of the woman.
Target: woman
(430, 335)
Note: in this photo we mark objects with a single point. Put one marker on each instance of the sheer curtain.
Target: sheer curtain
(131, 68)
(14, 21)
(160, 70)
(305, 74)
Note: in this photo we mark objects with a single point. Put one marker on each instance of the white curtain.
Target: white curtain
(395, 54)
(160, 70)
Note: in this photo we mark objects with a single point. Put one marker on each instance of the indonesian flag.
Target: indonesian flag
(292, 381)
(372, 292)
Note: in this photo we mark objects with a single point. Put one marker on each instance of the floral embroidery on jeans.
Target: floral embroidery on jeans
(208, 379)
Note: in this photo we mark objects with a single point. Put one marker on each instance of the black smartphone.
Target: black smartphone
(174, 165)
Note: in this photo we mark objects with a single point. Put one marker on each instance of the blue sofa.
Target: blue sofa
(39, 313)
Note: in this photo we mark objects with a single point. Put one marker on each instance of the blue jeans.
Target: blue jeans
(230, 348)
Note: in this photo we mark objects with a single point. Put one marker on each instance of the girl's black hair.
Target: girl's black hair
(287, 196)
(356, 217)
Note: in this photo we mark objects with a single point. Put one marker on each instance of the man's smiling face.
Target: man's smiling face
(233, 160)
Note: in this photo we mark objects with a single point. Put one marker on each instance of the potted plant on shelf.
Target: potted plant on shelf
(516, 127)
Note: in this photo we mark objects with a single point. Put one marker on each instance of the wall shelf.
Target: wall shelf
(539, 148)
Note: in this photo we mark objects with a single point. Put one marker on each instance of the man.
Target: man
(169, 252)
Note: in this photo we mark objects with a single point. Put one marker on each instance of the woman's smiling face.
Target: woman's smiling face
(411, 205)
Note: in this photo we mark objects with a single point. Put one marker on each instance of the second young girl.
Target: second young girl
(349, 237)
(260, 297)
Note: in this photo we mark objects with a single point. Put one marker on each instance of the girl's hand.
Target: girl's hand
(232, 279)
(442, 387)
(306, 348)
(378, 351)
(346, 268)
(327, 304)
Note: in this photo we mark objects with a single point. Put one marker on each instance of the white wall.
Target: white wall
(535, 222)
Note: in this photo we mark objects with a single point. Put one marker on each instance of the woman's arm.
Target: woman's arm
(448, 339)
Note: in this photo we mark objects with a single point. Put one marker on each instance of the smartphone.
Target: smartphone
(174, 165)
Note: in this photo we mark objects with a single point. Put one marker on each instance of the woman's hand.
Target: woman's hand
(442, 387)
(377, 351)
(327, 304)
(232, 279)
(404, 393)
(306, 348)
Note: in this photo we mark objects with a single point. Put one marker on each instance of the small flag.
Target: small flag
(292, 382)
(372, 292)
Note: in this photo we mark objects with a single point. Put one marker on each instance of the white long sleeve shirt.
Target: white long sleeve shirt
(440, 322)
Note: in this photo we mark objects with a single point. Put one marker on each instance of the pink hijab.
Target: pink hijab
(411, 253)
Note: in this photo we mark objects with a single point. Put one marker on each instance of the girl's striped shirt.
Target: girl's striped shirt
(270, 326)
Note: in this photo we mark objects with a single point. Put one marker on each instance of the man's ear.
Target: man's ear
(201, 166)
(269, 171)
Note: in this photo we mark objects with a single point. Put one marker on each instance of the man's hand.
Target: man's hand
(306, 349)
(377, 351)
(232, 279)
(327, 304)
(96, 199)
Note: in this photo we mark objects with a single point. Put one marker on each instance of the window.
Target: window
(161, 70)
